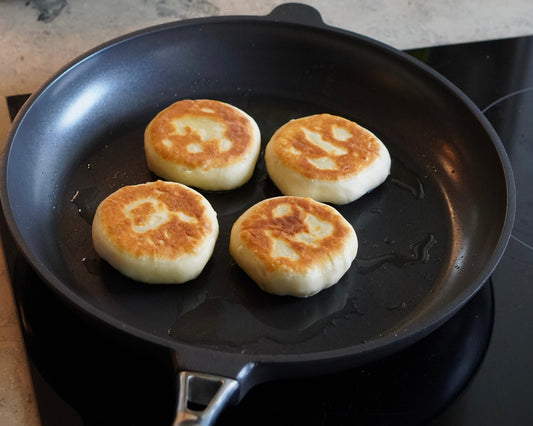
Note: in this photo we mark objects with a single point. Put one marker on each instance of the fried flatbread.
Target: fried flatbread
(326, 157)
(157, 232)
(203, 143)
(293, 245)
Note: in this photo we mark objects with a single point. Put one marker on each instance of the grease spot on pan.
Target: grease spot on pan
(406, 179)
(419, 253)
(220, 314)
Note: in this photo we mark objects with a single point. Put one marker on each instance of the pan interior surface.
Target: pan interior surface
(429, 236)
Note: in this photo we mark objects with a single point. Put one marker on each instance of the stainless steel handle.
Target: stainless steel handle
(201, 397)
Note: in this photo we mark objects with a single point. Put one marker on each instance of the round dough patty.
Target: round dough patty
(326, 157)
(157, 232)
(293, 245)
(203, 143)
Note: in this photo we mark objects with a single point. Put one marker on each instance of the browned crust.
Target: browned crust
(237, 129)
(259, 224)
(362, 148)
(172, 238)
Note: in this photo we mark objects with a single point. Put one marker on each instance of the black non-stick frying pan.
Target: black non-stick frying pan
(429, 236)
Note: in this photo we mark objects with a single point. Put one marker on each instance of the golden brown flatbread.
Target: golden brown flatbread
(203, 143)
(327, 158)
(157, 232)
(293, 245)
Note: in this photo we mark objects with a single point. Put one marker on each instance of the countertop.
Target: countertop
(38, 37)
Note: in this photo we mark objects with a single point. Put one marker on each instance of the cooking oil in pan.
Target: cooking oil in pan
(406, 179)
(419, 252)
(383, 287)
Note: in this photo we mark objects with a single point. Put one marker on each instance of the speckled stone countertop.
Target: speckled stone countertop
(38, 37)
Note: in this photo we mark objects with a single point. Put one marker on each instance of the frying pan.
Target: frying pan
(429, 236)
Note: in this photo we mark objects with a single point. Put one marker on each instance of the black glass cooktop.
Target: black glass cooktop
(475, 369)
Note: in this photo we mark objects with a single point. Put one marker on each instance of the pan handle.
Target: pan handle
(297, 13)
(201, 397)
